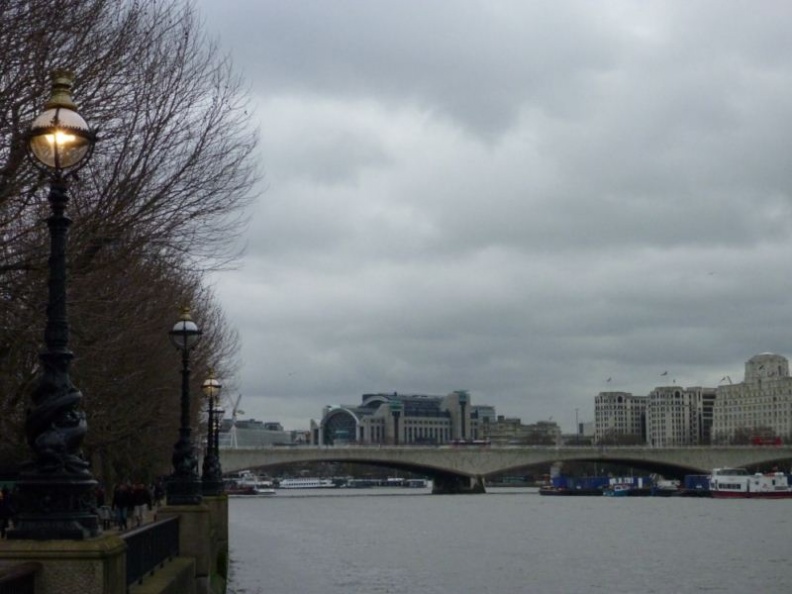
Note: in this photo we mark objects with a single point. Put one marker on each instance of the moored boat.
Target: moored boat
(617, 491)
(665, 488)
(359, 483)
(307, 483)
(695, 485)
(247, 484)
(416, 483)
(738, 483)
(628, 487)
(568, 486)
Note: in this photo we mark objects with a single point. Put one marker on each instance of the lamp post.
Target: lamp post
(219, 412)
(396, 409)
(212, 477)
(463, 400)
(56, 486)
(183, 486)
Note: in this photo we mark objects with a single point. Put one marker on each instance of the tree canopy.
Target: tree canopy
(160, 203)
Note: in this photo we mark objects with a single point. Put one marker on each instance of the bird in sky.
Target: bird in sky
(664, 373)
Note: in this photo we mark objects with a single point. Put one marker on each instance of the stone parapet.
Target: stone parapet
(91, 566)
(199, 538)
(98, 565)
(218, 517)
(177, 577)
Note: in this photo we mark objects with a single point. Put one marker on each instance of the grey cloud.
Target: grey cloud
(517, 199)
(475, 62)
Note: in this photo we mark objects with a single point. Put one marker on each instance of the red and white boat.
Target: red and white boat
(738, 483)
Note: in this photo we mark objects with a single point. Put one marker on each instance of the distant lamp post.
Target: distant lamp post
(56, 486)
(212, 477)
(396, 410)
(463, 401)
(183, 486)
(218, 415)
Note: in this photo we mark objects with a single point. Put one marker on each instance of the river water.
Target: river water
(396, 540)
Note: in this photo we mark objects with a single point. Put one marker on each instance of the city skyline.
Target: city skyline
(517, 200)
(581, 417)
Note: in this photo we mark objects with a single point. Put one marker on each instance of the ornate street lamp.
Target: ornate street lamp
(212, 477)
(56, 486)
(183, 486)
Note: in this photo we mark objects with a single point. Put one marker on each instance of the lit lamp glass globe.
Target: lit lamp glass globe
(60, 140)
(211, 387)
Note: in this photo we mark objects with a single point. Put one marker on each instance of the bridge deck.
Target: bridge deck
(483, 461)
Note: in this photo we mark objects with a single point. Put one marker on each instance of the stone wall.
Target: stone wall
(98, 565)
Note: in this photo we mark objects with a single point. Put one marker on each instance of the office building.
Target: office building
(678, 416)
(619, 417)
(403, 419)
(759, 409)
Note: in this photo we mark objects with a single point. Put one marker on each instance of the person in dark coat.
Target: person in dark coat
(121, 501)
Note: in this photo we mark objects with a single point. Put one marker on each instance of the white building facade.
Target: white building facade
(758, 408)
(678, 416)
(619, 416)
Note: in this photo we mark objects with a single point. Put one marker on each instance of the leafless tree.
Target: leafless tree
(161, 202)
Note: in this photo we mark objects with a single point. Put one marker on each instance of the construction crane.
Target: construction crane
(235, 410)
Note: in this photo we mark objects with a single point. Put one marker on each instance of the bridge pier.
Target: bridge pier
(455, 484)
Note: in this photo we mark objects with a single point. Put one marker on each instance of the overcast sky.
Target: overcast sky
(521, 199)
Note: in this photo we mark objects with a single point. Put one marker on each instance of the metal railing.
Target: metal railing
(149, 547)
(19, 578)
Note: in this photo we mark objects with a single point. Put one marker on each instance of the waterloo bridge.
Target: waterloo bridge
(458, 469)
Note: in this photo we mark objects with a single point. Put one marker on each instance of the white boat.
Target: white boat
(665, 488)
(306, 483)
(247, 484)
(416, 483)
(738, 483)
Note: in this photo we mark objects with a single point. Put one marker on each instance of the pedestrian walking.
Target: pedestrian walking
(105, 516)
(121, 502)
(130, 502)
(141, 498)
